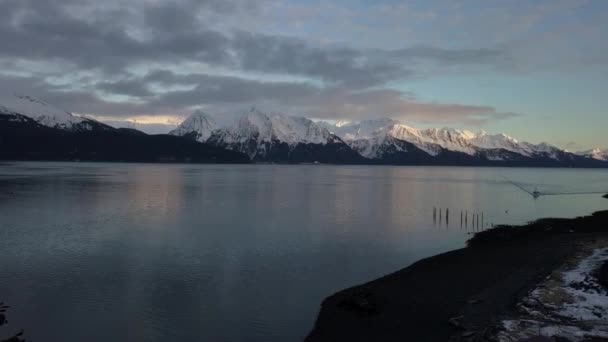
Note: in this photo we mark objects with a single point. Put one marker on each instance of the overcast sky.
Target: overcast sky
(537, 70)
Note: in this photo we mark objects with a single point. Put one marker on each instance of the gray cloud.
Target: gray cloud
(483, 56)
(288, 55)
(128, 48)
(125, 87)
(225, 90)
(174, 32)
(227, 95)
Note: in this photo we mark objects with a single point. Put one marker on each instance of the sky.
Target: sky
(535, 69)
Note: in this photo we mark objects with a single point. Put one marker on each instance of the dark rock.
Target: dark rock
(538, 339)
(455, 322)
(561, 339)
(467, 334)
(16, 338)
(360, 302)
(605, 196)
(602, 274)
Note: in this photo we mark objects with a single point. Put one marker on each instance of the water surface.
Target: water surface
(145, 252)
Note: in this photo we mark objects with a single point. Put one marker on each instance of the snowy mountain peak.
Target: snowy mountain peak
(595, 153)
(359, 130)
(42, 112)
(260, 134)
(255, 125)
(199, 123)
(341, 123)
(278, 126)
(432, 140)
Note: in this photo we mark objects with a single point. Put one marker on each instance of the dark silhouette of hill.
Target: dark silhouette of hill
(22, 138)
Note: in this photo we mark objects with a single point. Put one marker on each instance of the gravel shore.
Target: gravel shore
(466, 294)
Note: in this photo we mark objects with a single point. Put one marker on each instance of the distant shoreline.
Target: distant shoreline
(168, 162)
(460, 295)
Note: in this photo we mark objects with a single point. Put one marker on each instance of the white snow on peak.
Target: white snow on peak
(199, 123)
(264, 127)
(595, 153)
(430, 140)
(371, 138)
(258, 126)
(366, 129)
(341, 123)
(40, 111)
(427, 139)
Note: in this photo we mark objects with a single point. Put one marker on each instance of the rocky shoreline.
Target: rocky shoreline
(16, 337)
(511, 283)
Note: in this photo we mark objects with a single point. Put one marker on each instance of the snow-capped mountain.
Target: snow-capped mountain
(370, 138)
(595, 153)
(268, 137)
(279, 137)
(33, 130)
(45, 114)
(198, 126)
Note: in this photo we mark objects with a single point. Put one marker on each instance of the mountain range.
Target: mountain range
(595, 153)
(271, 137)
(278, 137)
(33, 129)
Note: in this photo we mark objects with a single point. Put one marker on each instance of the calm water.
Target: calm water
(133, 252)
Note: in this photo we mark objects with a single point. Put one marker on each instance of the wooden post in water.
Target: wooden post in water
(434, 215)
(466, 220)
(473, 216)
(461, 219)
(447, 216)
(482, 226)
(472, 221)
(440, 216)
(475, 221)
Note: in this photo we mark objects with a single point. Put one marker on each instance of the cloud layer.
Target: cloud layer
(119, 59)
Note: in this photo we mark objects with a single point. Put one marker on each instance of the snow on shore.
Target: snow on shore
(570, 303)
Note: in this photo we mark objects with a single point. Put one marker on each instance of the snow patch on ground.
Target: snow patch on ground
(570, 303)
(591, 298)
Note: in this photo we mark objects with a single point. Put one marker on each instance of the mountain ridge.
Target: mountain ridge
(378, 141)
(596, 153)
(281, 138)
(31, 129)
(270, 137)
(48, 115)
